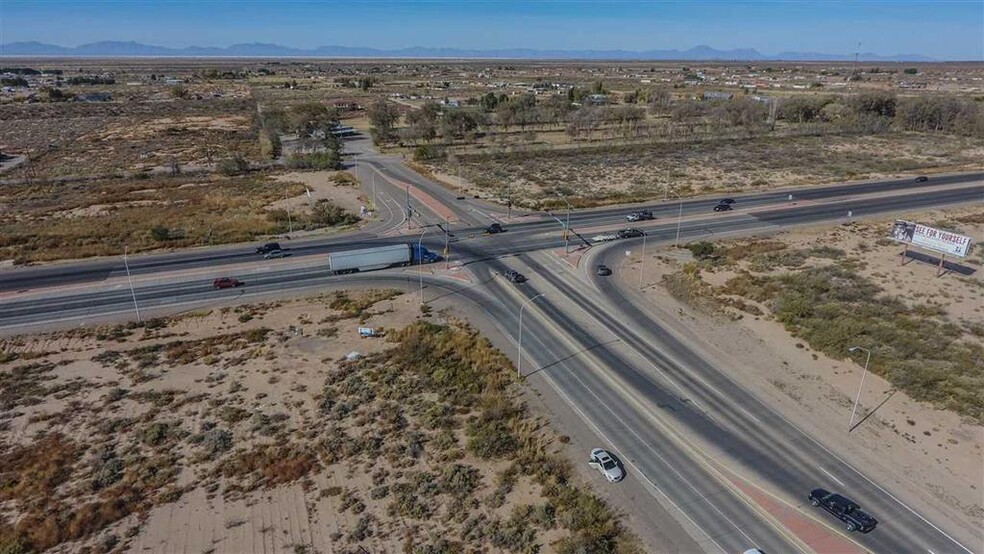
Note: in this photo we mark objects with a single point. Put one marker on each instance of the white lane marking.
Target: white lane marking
(847, 465)
(649, 447)
(831, 475)
(625, 459)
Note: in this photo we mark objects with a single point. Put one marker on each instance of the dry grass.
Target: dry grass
(54, 221)
(599, 175)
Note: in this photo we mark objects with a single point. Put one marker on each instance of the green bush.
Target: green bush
(429, 153)
(315, 160)
(701, 250)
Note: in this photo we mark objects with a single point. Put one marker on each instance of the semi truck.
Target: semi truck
(379, 257)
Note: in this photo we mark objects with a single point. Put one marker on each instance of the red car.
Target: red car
(226, 283)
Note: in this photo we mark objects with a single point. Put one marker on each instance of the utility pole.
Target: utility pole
(420, 263)
(133, 294)
(854, 68)
(642, 268)
(861, 386)
(374, 201)
(519, 355)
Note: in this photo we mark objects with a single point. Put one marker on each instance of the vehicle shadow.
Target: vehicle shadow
(571, 355)
(873, 410)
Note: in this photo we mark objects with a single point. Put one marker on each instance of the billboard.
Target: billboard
(936, 240)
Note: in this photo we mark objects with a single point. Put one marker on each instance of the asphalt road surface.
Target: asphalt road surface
(679, 423)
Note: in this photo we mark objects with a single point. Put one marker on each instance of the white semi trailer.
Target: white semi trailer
(379, 257)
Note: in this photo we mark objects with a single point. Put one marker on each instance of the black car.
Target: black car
(726, 201)
(629, 233)
(514, 276)
(722, 207)
(922, 179)
(843, 509)
(494, 228)
(641, 215)
(603, 270)
(268, 247)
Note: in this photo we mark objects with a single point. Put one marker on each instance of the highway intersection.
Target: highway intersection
(715, 456)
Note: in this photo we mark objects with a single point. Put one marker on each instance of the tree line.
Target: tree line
(868, 112)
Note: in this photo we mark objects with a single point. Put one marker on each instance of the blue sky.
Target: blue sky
(940, 29)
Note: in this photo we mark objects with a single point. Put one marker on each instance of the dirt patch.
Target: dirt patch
(275, 426)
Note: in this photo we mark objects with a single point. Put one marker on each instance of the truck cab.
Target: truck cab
(420, 254)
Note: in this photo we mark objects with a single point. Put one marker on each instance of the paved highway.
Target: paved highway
(683, 426)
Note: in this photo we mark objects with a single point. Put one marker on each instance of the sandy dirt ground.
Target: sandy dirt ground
(324, 185)
(195, 434)
(935, 456)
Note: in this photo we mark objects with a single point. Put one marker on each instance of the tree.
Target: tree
(311, 117)
(423, 122)
(459, 123)
(383, 116)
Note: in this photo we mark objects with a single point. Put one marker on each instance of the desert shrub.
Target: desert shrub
(215, 441)
(429, 152)
(701, 250)
(363, 529)
(107, 469)
(24, 385)
(269, 465)
(315, 160)
(160, 233)
(833, 308)
(35, 471)
(326, 213)
(458, 480)
(236, 165)
(490, 437)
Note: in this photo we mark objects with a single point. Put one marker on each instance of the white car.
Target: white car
(603, 462)
(604, 238)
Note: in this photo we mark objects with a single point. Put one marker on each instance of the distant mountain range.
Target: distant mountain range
(136, 49)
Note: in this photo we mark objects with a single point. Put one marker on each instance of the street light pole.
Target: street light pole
(420, 264)
(447, 242)
(676, 243)
(861, 386)
(133, 294)
(642, 268)
(519, 355)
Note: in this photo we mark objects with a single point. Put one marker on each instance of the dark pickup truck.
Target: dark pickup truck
(843, 509)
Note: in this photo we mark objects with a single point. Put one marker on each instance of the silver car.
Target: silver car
(606, 464)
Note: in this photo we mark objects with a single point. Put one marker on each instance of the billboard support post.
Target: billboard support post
(939, 270)
(905, 253)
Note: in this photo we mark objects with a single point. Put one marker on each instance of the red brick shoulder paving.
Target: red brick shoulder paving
(817, 537)
(426, 199)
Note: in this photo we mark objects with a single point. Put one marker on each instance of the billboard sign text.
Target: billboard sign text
(930, 238)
